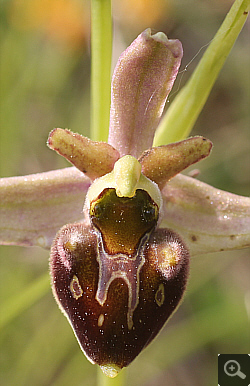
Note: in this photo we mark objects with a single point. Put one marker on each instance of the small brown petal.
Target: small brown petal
(142, 80)
(93, 158)
(162, 163)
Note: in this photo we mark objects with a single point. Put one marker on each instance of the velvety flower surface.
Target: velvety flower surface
(119, 268)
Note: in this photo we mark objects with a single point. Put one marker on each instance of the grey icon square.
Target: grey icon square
(234, 369)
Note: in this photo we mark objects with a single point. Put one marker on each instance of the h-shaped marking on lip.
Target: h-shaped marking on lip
(121, 266)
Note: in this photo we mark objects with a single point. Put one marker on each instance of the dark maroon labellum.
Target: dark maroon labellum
(118, 295)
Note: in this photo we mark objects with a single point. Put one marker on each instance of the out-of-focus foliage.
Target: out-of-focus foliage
(65, 21)
(44, 83)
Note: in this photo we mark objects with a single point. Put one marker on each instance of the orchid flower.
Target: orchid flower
(123, 219)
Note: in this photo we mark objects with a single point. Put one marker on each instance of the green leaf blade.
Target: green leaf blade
(186, 107)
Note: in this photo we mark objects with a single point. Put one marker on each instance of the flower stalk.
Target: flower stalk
(101, 51)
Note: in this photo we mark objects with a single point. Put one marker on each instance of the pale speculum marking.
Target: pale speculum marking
(121, 266)
(160, 295)
(75, 288)
(100, 320)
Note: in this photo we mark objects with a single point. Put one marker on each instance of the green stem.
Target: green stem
(101, 51)
(103, 380)
(185, 109)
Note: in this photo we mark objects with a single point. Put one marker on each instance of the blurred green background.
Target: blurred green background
(44, 83)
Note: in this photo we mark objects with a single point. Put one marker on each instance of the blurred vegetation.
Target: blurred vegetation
(44, 83)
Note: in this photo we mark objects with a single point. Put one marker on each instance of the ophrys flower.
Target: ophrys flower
(118, 275)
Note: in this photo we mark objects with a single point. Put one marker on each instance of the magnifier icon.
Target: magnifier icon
(232, 368)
